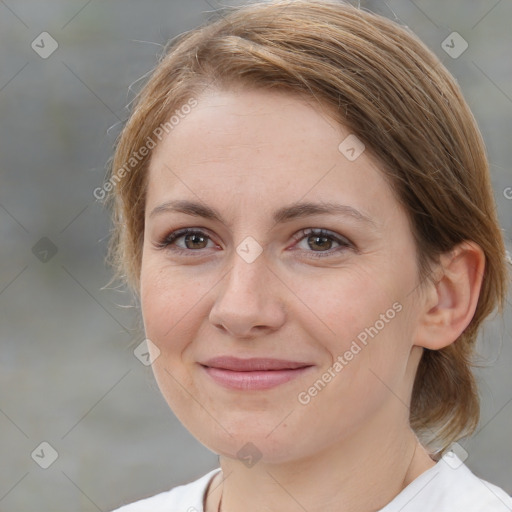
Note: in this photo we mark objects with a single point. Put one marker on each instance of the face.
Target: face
(283, 246)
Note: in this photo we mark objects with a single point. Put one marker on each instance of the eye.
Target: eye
(190, 240)
(320, 241)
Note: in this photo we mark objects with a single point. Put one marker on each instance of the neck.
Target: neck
(358, 474)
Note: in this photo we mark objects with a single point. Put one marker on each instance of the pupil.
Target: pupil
(322, 238)
(195, 239)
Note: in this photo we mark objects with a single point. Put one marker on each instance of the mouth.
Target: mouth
(253, 374)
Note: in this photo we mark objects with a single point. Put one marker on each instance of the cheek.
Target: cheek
(342, 302)
(361, 315)
(174, 303)
(166, 299)
(169, 304)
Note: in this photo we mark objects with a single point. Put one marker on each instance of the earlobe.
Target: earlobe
(451, 301)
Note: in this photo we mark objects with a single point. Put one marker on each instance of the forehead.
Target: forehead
(226, 121)
(265, 146)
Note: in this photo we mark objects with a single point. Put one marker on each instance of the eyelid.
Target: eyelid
(306, 232)
(343, 242)
(176, 234)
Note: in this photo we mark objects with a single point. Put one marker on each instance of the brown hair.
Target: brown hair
(379, 80)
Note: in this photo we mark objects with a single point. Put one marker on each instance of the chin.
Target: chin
(252, 444)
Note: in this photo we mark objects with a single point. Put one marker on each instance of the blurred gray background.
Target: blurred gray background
(68, 374)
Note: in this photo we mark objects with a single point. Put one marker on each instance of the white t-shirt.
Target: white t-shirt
(449, 486)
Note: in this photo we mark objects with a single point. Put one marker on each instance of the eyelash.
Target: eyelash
(344, 243)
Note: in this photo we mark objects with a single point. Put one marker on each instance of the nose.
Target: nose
(249, 302)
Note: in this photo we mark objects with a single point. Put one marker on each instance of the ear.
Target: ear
(449, 304)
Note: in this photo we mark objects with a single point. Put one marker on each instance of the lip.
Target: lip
(254, 373)
(253, 364)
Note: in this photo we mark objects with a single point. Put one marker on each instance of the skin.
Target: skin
(247, 153)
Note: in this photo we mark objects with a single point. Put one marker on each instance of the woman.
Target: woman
(302, 203)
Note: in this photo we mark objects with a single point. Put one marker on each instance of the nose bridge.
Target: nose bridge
(249, 259)
(245, 280)
(247, 300)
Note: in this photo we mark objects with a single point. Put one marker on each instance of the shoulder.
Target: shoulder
(450, 486)
(184, 498)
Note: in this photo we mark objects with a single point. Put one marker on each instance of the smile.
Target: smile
(255, 380)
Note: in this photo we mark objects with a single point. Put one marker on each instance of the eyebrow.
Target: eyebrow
(284, 214)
